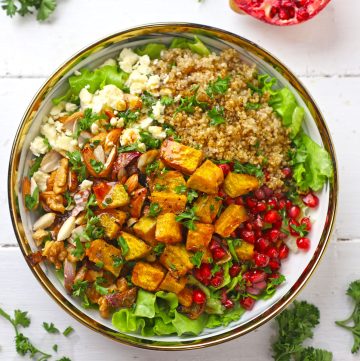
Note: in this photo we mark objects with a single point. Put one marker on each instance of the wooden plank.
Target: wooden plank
(336, 97)
(326, 289)
(321, 46)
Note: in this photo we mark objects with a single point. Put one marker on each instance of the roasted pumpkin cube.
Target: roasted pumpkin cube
(245, 251)
(112, 222)
(207, 207)
(145, 229)
(185, 297)
(236, 185)
(168, 181)
(110, 195)
(169, 202)
(100, 252)
(206, 178)
(172, 284)
(230, 219)
(147, 275)
(180, 157)
(167, 229)
(176, 259)
(137, 247)
(199, 238)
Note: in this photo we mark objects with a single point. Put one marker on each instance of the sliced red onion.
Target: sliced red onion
(80, 199)
(69, 275)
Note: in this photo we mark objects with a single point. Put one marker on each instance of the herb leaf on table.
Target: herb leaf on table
(44, 8)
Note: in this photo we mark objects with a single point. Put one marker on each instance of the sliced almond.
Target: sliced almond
(99, 154)
(147, 158)
(50, 162)
(44, 221)
(66, 229)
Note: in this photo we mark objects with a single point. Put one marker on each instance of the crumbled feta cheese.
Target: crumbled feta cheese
(113, 121)
(86, 185)
(50, 120)
(137, 82)
(59, 126)
(41, 179)
(142, 147)
(157, 132)
(153, 82)
(68, 132)
(110, 62)
(57, 109)
(70, 107)
(129, 136)
(127, 59)
(143, 65)
(120, 123)
(158, 111)
(77, 72)
(85, 98)
(59, 141)
(49, 131)
(144, 123)
(94, 128)
(38, 146)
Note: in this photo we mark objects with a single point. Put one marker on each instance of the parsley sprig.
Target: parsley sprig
(216, 115)
(188, 218)
(77, 164)
(352, 323)
(44, 8)
(188, 104)
(219, 86)
(247, 168)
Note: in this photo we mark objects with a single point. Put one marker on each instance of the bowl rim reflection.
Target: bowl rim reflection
(176, 28)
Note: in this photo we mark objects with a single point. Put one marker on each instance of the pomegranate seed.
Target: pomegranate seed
(218, 253)
(283, 13)
(248, 236)
(294, 211)
(255, 276)
(267, 175)
(311, 200)
(274, 264)
(247, 303)
(288, 204)
(273, 235)
(199, 296)
(272, 203)
(213, 244)
(282, 203)
(248, 226)
(291, 12)
(225, 168)
(221, 193)
(253, 291)
(216, 281)
(278, 224)
(261, 207)
(205, 270)
(259, 194)
(307, 222)
(251, 202)
(293, 222)
(272, 252)
(228, 304)
(283, 251)
(287, 172)
(273, 11)
(234, 270)
(260, 285)
(271, 216)
(302, 15)
(258, 223)
(261, 260)
(262, 244)
(239, 201)
(268, 191)
(229, 201)
(303, 243)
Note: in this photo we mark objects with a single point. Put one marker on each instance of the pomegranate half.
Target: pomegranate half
(280, 12)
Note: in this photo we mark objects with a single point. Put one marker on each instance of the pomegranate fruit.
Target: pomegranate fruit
(280, 12)
(199, 296)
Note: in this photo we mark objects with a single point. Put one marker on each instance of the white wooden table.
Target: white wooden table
(324, 53)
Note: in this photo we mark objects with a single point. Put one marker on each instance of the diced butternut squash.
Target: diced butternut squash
(176, 259)
(245, 251)
(168, 181)
(147, 276)
(199, 238)
(110, 195)
(112, 222)
(180, 157)
(236, 185)
(185, 297)
(169, 202)
(101, 252)
(230, 219)
(137, 247)
(172, 284)
(206, 178)
(207, 207)
(145, 229)
(167, 229)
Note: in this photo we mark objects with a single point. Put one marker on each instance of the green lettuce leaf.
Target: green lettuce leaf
(223, 320)
(145, 304)
(184, 325)
(311, 163)
(152, 49)
(196, 46)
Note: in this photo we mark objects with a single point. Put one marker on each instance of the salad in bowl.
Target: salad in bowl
(168, 186)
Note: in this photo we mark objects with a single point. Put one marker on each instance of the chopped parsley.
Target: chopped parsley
(50, 327)
(131, 148)
(166, 100)
(79, 290)
(149, 140)
(77, 164)
(79, 251)
(301, 229)
(96, 165)
(154, 209)
(129, 117)
(191, 195)
(180, 189)
(35, 166)
(219, 86)
(160, 187)
(31, 201)
(189, 103)
(216, 115)
(123, 245)
(159, 249)
(188, 218)
(68, 330)
(247, 168)
(196, 259)
(117, 261)
(252, 106)
(87, 121)
(148, 99)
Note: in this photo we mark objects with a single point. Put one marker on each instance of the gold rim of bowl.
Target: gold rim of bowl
(175, 28)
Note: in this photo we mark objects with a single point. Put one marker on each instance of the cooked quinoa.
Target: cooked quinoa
(249, 136)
